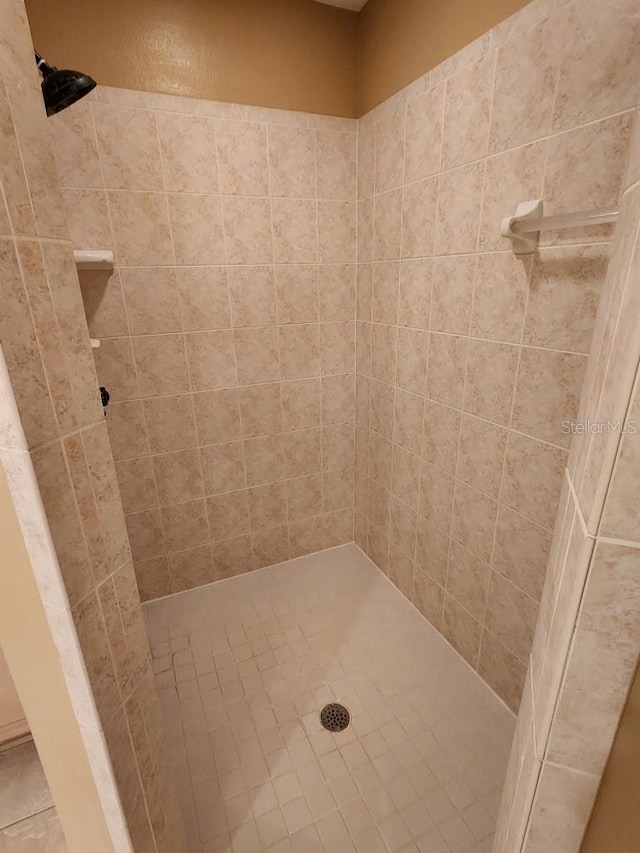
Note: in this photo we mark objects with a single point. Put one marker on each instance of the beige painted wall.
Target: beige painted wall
(398, 40)
(289, 54)
(615, 821)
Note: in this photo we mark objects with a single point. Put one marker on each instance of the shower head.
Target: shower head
(60, 89)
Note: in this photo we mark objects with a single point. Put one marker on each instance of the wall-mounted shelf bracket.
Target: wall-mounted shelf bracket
(93, 259)
(526, 242)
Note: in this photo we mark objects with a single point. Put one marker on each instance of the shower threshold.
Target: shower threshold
(244, 667)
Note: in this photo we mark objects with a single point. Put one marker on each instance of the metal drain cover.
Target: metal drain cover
(334, 717)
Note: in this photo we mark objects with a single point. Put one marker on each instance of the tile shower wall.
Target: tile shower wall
(469, 359)
(227, 329)
(588, 622)
(97, 620)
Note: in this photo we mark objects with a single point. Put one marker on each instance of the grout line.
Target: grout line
(324, 323)
(576, 505)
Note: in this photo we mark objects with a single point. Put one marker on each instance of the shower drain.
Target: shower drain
(334, 717)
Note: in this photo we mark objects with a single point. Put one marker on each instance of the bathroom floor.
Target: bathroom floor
(28, 820)
(244, 667)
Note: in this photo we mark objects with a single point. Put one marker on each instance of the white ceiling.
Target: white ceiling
(356, 5)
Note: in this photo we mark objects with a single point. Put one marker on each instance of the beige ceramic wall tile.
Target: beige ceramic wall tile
(247, 228)
(141, 231)
(525, 79)
(337, 347)
(365, 227)
(428, 597)
(292, 162)
(461, 629)
(295, 232)
(600, 149)
(59, 502)
(196, 229)
(151, 299)
(161, 364)
(601, 81)
(87, 215)
(468, 581)
(423, 137)
(467, 113)
(459, 206)
(223, 467)
(490, 380)
(414, 293)
(188, 148)
(128, 148)
(436, 495)
(387, 225)
(169, 423)
(511, 616)
(190, 568)
(297, 294)
(452, 294)
(22, 356)
(299, 350)
(185, 525)
(257, 356)
(300, 403)
(242, 158)
(605, 641)
(389, 158)
(501, 669)
(620, 514)
(547, 394)
(260, 409)
(103, 302)
(419, 218)
(336, 165)
(75, 149)
(381, 411)
(336, 232)
(481, 451)
(127, 430)
(252, 294)
(178, 476)
(217, 416)
(411, 372)
(336, 292)
(500, 294)
(446, 369)
(561, 809)
(137, 484)
(366, 160)
(431, 551)
(563, 297)
(211, 360)
(440, 434)
(532, 478)
(204, 298)
(473, 521)
(521, 551)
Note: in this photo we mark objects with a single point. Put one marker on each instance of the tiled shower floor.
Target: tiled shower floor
(244, 667)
